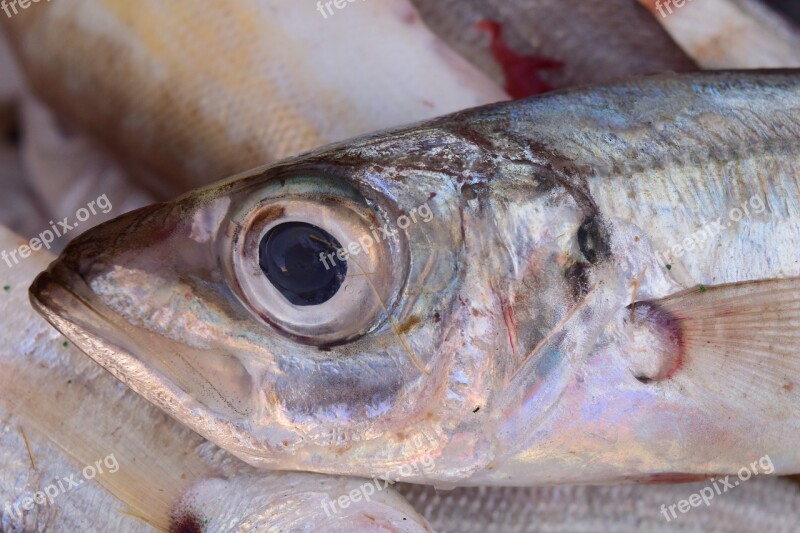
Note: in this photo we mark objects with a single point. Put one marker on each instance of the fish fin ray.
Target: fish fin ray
(739, 344)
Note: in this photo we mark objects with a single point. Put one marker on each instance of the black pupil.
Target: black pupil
(296, 258)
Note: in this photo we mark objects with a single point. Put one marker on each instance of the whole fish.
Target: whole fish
(80, 452)
(597, 285)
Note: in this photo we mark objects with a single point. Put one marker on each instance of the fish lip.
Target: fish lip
(54, 298)
(43, 294)
(64, 308)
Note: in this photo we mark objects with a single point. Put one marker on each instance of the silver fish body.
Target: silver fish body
(520, 303)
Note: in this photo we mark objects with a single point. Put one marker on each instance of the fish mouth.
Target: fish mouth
(63, 295)
(67, 302)
(55, 301)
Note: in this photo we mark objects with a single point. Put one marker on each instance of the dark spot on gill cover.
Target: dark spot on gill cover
(593, 241)
(558, 171)
(186, 523)
(468, 192)
(578, 277)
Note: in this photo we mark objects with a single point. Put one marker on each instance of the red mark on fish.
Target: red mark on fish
(522, 72)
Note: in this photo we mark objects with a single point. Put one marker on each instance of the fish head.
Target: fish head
(346, 311)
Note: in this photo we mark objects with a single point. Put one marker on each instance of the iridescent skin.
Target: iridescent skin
(490, 339)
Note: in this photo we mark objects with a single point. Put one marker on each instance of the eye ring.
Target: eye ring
(374, 277)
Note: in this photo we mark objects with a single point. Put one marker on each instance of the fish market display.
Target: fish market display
(597, 285)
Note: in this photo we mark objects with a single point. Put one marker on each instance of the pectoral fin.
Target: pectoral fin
(726, 346)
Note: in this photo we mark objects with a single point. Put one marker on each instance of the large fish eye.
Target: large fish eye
(299, 259)
(307, 257)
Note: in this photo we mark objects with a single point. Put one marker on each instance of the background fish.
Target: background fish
(725, 34)
(593, 42)
(170, 83)
(527, 297)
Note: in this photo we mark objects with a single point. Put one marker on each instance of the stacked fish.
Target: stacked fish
(593, 285)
